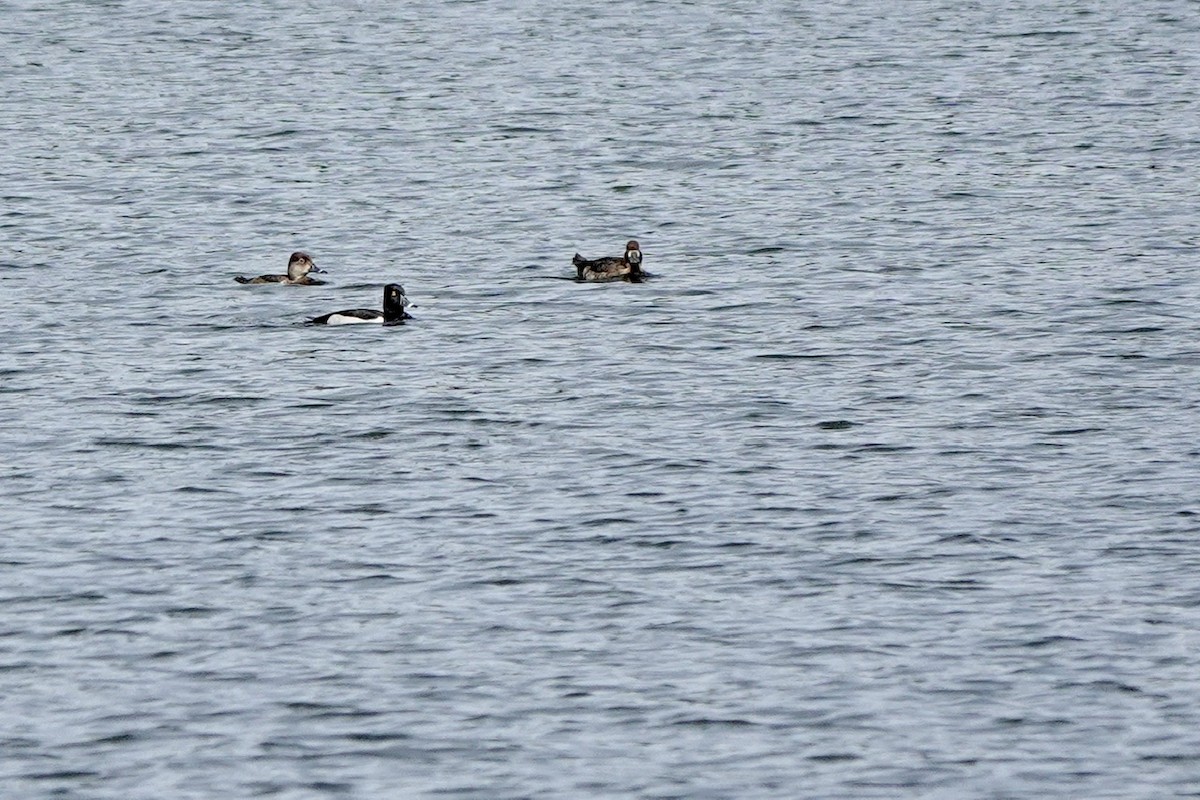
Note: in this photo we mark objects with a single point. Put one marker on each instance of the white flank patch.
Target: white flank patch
(338, 319)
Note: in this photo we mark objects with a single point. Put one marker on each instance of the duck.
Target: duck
(298, 269)
(627, 267)
(394, 302)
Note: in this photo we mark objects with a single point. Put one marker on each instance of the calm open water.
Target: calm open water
(885, 486)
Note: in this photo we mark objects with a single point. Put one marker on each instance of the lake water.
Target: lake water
(885, 485)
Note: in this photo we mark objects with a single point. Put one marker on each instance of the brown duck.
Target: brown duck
(611, 268)
(299, 265)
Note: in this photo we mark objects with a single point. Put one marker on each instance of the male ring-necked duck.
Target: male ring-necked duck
(299, 265)
(393, 312)
(627, 267)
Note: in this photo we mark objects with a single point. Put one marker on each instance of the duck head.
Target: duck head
(394, 303)
(633, 257)
(300, 264)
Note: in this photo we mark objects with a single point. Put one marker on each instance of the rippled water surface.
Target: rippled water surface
(884, 485)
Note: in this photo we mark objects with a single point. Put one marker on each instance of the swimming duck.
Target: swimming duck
(393, 312)
(299, 265)
(627, 267)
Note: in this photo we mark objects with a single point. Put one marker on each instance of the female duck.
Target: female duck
(299, 265)
(393, 312)
(628, 267)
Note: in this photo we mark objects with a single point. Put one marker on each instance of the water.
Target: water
(884, 486)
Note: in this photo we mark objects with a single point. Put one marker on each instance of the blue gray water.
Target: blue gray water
(884, 486)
